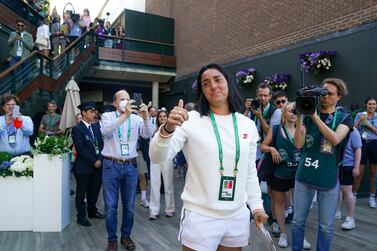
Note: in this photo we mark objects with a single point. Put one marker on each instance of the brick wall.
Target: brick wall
(223, 31)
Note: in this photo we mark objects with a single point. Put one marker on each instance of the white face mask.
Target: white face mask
(122, 105)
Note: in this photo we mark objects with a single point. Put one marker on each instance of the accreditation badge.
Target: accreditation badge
(227, 188)
(12, 139)
(326, 146)
(97, 150)
(124, 149)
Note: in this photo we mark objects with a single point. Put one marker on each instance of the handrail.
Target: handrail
(13, 67)
(71, 45)
(137, 40)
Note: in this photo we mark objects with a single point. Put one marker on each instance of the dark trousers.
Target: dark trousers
(144, 147)
(87, 186)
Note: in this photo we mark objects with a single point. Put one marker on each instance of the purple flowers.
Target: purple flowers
(245, 77)
(278, 81)
(316, 61)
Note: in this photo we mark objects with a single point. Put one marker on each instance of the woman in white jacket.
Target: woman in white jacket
(165, 169)
(43, 34)
(220, 148)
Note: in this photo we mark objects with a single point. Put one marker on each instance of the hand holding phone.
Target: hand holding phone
(15, 112)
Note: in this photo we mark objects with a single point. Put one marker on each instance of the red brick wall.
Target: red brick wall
(223, 31)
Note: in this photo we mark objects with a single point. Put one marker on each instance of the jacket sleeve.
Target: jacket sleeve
(12, 39)
(28, 41)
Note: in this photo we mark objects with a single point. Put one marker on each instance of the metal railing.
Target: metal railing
(36, 64)
(24, 10)
(131, 44)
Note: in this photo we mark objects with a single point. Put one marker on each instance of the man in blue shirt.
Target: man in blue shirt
(14, 139)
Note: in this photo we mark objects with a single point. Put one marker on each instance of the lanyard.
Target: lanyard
(334, 120)
(288, 135)
(128, 129)
(219, 145)
(49, 120)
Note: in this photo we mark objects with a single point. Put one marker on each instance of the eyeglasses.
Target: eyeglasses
(20, 25)
(278, 102)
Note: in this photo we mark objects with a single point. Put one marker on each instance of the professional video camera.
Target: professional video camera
(309, 98)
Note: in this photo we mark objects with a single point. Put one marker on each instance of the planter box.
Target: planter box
(16, 203)
(51, 206)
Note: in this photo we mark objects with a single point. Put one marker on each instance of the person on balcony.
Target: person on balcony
(58, 38)
(15, 129)
(21, 43)
(43, 35)
(85, 20)
(50, 122)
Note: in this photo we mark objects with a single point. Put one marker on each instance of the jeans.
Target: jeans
(115, 177)
(327, 203)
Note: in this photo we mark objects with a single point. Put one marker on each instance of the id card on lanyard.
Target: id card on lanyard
(227, 183)
(124, 145)
(326, 146)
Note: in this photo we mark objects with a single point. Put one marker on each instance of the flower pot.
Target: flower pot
(51, 205)
(16, 203)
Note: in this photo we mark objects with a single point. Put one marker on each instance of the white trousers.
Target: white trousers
(166, 169)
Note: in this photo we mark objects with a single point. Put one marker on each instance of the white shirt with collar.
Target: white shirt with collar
(109, 129)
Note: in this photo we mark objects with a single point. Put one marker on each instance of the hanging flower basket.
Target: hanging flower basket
(316, 62)
(278, 81)
(245, 77)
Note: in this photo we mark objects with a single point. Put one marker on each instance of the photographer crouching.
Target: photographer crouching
(319, 134)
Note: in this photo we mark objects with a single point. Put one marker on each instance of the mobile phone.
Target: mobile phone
(16, 111)
(137, 97)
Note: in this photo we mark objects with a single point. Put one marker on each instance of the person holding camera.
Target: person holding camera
(366, 122)
(21, 43)
(15, 129)
(319, 136)
(262, 112)
(220, 147)
(279, 142)
(121, 130)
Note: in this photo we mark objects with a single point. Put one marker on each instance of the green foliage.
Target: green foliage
(4, 156)
(52, 145)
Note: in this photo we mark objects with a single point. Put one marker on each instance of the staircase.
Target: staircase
(37, 78)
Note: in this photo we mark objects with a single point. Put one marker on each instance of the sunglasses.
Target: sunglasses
(20, 25)
(278, 102)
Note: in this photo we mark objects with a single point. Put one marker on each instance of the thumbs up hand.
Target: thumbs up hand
(176, 117)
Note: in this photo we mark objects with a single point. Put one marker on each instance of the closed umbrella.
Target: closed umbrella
(72, 100)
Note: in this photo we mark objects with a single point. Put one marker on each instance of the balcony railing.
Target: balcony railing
(24, 72)
(135, 51)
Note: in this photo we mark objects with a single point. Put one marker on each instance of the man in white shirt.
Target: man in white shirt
(121, 130)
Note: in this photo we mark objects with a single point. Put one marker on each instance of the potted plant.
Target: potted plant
(16, 192)
(51, 184)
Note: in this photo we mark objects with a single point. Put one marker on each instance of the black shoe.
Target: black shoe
(97, 216)
(84, 222)
(127, 243)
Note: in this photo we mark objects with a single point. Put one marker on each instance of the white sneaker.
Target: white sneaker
(144, 203)
(338, 215)
(153, 217)
(290, 210)
(275, 229)
(372, 202)
(348, 224)
(286, 213)
(307, 244)
(283, 241)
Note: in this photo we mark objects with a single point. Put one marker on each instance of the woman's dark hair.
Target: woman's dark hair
(158, 114)
(369, 99)
(234, 98)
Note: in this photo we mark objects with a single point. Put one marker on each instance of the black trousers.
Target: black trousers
(87, 186)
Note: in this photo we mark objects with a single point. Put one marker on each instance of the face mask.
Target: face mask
(122, 105)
